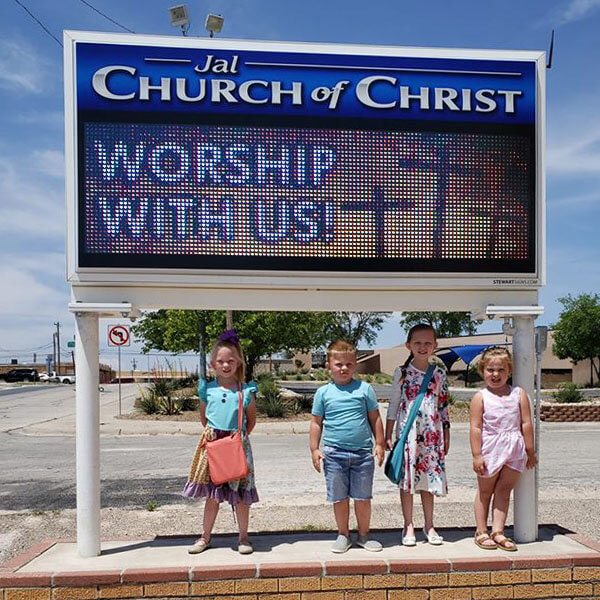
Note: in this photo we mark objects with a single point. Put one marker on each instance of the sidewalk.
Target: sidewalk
(299, 548)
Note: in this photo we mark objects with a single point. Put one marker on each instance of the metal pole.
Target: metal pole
(87, 435)
(119, 353)
(525, 528)
(58, 346)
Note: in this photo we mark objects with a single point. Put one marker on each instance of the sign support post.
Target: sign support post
(87, 437)
(526, 526)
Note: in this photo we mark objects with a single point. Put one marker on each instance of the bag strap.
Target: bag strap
(412, 415)
(240, 407)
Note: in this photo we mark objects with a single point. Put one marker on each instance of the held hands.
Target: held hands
(379, 453)
(389, 445)
(317, 457)
(479, 465)
(532, 459)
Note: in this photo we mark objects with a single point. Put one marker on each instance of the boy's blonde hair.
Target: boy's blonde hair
(340, 347)
(237, 351)
(494, 352)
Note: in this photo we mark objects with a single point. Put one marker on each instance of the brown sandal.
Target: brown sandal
(503, 543)
(482, 536)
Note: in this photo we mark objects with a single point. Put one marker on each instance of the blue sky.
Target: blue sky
(33, 292)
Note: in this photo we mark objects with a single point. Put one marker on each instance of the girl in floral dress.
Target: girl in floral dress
(428, 442)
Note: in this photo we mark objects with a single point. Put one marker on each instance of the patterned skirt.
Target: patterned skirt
(199, 485)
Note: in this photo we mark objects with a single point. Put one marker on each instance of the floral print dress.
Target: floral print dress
(424, 467)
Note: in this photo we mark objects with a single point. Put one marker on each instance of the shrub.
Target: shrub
(147, 403)
(269, 398)
(188, 402)
(568, 393)
(303, 404)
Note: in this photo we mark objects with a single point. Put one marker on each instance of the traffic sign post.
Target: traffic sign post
(119, 335)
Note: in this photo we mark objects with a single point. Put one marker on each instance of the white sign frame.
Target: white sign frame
(294, 290)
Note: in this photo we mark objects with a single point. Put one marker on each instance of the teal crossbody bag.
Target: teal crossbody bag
(395, 459)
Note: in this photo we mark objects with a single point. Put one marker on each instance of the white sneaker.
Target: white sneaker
(342, 544)
(371, 545)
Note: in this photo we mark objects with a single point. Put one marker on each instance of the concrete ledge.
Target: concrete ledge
(561, 565)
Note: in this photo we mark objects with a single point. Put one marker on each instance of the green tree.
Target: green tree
(261, 332)
(356, 327)
(577, 331)
(446, 324)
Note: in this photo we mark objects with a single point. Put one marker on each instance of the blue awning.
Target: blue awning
(466, 353)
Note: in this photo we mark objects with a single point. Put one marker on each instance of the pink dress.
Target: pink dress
(502, 440)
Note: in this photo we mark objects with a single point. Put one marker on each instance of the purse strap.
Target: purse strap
(412, 415)
(240, 407)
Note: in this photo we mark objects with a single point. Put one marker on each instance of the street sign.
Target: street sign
(71, 344)
(119, 335)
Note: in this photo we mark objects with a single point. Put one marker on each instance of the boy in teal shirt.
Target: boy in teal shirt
(347, 409)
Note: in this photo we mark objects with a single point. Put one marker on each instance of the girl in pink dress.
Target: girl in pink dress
(501, 443)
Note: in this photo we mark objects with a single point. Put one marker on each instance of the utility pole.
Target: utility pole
(58, 346)
(229, 319)
(54, 351)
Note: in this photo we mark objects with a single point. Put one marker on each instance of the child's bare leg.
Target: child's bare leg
(242, 512)
(362, 508)
(406, 500)
(504, 485)
(427, 502)
(211, 510)
(485, 490)
(341, 510)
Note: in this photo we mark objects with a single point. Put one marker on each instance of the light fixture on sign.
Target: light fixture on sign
(214, 24)
(180, 17)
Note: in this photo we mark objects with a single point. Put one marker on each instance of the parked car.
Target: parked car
(54, 377)
(20, 375)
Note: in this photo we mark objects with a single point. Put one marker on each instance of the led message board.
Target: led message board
(237, 157)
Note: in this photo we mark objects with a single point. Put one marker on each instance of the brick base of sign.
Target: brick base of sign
(512, 577)
(562, 413)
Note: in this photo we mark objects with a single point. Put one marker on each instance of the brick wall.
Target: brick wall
(496, 578)
(570, 412)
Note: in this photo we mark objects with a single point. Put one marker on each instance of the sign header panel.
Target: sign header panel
(287, 158)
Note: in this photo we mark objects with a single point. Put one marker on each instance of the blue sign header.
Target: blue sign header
(115, 77)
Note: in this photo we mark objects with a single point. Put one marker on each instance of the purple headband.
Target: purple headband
(230, 336)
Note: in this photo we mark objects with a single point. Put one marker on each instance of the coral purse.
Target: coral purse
(226, 457)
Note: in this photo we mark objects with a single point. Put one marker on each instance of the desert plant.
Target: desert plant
(568, 393)
(148, 403)
(151, 505)
(269, 398)
(303, 404)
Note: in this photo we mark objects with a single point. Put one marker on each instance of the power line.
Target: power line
(39, 23)
(106, 16)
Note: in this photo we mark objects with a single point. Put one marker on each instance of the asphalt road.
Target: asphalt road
(22, 406)
(38, 473)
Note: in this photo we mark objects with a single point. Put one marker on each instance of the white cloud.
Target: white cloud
(30, 205)
(21, 69)
(574, 11)
(48, 118)
(578, 201)
(50, 162)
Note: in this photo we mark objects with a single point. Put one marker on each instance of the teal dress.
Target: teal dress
(222, 418)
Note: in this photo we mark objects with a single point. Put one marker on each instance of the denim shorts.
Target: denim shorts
(348, 473)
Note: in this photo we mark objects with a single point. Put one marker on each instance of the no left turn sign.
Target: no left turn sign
(119, 335)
